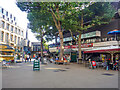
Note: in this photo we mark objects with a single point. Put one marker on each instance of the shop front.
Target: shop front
(110, 54)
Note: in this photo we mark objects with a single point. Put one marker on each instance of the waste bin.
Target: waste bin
(79, 61)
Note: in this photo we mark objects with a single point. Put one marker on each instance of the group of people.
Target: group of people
(27, 57)
(106, 64)
(66, 58)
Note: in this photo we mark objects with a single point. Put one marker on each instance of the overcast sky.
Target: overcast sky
(21, 17)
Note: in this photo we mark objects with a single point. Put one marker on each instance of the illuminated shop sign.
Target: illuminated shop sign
(90, 34)
(67, 39)
(76, 46)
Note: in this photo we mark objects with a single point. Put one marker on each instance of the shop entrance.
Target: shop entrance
(73, 56)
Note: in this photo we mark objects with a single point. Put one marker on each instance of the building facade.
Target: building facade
(27, 44)
(95, 42)
(10, 33)
(36, 49)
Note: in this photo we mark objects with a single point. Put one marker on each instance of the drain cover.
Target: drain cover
(67, 68)
(108, 74)
(59, 70)
(56, 70)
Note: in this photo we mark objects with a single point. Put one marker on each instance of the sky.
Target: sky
(11, 7)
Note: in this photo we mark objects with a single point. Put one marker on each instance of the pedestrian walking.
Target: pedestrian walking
(39, 58)
(108, 64)
(30, 57)
(56, 59)
(68, 59)
(27, 57)
(93, 64)
(34, 56)
(90, 64)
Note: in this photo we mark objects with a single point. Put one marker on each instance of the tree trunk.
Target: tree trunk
(79, 46)
(79, 40)
(58, 26)
(61, 45)
(42, 49)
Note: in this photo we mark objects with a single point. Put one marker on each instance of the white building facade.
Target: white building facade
(10, 33)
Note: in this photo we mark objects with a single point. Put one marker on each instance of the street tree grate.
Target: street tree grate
(67, 68)
(58, 70)
(62, 70)
(108, 74)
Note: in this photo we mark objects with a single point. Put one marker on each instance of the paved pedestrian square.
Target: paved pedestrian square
(21, 75)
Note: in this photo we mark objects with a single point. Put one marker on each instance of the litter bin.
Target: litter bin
(79, 61)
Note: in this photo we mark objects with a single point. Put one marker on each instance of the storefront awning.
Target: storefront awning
(104, 50)
(6, 48)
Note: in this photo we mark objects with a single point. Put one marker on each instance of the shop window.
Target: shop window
(103, 39)
(82, 41)
(99, 40)
(94, 40)
(108, 39)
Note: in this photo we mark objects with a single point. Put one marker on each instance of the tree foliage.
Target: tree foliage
(73, 16)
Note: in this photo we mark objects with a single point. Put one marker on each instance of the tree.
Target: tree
(93, 14)
(41, 26)
(55, 10)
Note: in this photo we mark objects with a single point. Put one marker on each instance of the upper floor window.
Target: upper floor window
(2, 10)
(11, 21)
(11, 28)
(11, 37)
(15, 23)
(22, 33)
(11, 16)
(3, 16)
(2, 36)
(6, 13)
(19, 31)
(7, 37)
(8, 25)
(15, 39)
(18, 40)
(3, 24)
(7, 19)
(16, 30)
(14, 18)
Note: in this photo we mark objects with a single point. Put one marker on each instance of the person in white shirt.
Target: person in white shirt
(27, 57)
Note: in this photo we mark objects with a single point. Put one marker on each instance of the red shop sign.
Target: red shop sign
(87, 45)
(66, 47)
